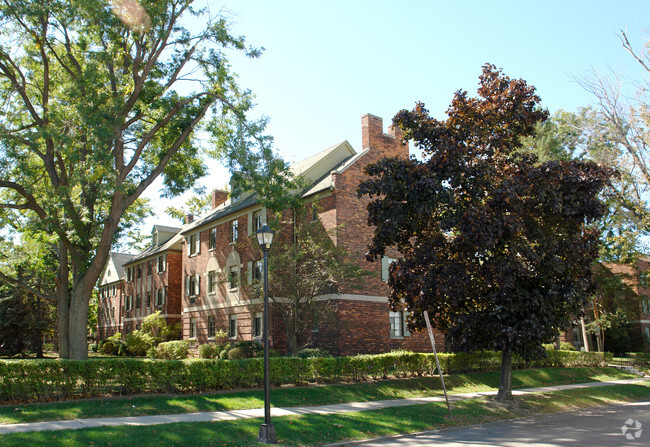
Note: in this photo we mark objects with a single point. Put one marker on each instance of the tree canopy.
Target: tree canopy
(494, 245)
(99, 99)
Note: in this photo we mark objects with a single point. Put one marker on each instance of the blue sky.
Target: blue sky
(326, 63)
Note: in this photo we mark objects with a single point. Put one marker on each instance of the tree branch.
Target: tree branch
(628, 47)
(13, 282)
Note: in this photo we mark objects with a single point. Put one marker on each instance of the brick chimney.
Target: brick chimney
(380, 143)
(189, 217)
(218, 197)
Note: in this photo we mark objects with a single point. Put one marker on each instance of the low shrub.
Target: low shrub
(224, 352)
(107, 347)
(240, 352)
(170, 350)
(564, 346)
(138, 343)
(44, 380)
(313, 352)
(210, 350)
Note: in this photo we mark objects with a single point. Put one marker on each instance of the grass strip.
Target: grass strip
(310, 430)
(299, 396)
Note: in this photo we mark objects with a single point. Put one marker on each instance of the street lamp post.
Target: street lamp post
(267, 430)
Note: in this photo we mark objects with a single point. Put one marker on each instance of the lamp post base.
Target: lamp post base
(267, 434)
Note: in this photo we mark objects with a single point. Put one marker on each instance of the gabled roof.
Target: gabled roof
(172, 244)
(165, 229)
(114, 269)
(317, 170)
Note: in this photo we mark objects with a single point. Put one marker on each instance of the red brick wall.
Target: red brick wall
(364, 328)
(355, 234)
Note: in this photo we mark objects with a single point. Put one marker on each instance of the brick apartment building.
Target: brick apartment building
(111, 295)
(153, 280)
(216, 256)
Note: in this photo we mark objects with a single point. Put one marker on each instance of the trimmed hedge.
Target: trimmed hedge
(45, 380)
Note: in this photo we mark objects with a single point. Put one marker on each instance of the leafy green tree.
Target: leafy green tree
(618, 123)
(101, 98)
(495, 246)
(26, 317)
(303, 267)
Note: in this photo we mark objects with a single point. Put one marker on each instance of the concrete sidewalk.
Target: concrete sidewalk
(215, 416)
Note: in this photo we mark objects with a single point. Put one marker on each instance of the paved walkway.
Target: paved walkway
(215, 416)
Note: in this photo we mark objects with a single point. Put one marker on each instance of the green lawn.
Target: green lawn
(299, 396)
(309, 430)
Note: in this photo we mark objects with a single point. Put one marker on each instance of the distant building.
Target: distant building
(626, 286)
(111, 295)
(153, 280)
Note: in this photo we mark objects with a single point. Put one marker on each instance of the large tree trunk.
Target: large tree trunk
(78, 329)
(505, 384)
(63, 320)
(63, 302)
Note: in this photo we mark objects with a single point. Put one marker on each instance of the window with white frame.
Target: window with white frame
(192, 285)
(128, 303)
(398, 327)
(258, 220)
(149, 268)
(234, 231)
(646, 330)
(162, 263)
(148, 299)
(138, 301)
(212, 326)
(644, 279)
(645, 303)
(212, 240)
(193, 328)
(233, 277)
(129, 274)
(114, 290)
(193, 244)
(258, 270)
(138, 272)
(212, 281)
(232, 326)
(160, 297)
(386, 261)
(257, 324)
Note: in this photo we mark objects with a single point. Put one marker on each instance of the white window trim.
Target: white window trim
(216, 235)
(164, 263)
(257, 315)
(215, 327)
(193, 249)
(386, 261)
(216, 283)
(231, 318)
(194, 323)
(163, 294)
(238, 270)
(234, 231)
(404, 332)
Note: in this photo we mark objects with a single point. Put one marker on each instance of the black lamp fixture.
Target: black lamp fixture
(267, 429)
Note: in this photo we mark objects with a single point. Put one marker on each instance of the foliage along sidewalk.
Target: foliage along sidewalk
(279, 412)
